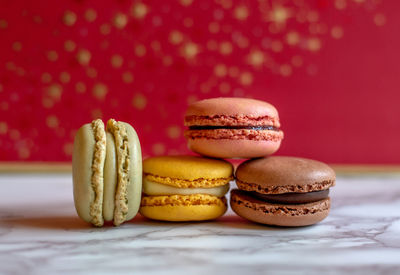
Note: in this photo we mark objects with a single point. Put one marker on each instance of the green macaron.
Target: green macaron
(107, 172)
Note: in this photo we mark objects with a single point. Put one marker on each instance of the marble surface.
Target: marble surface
(41, 234)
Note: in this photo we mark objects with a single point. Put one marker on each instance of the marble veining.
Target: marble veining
(40, 233)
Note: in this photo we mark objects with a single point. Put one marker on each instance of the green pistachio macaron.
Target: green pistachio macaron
(107, 172)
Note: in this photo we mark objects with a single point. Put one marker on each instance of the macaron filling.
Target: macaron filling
(236, 134)
(214, 127)
(158, 189)
(184, 183)
(292, 198)
(97, 179)
(231, 120)
(238, 127)
(123, 159)
(182, 200)
(161, 191)
(282, 189)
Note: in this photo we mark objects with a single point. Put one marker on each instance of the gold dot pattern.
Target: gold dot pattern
(17, 46)
(3, 24)
(158, 149)
(314, 44)
(52, 56)
(69, 18)
(139, 101)
(80, 87)
(83, 56)
(143, 63)
(3, 128)
(69, 45)
(175, 37)
(225, 48)
(186, 2)
(117, 61)
(65, 77)
(90, 15)
(173, 132)
(105, 29)
(241, 12)
(139, 10)
(380, 19)
(140, 50)
(337, 32)
(127, 77)
(100, 91)
(46, 77)
(91, 72)
(52, 121)
(120, 20)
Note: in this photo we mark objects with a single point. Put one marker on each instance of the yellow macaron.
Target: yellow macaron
(185, 188)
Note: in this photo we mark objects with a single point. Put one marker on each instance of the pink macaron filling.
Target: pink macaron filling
(229, 120)
(235, 134)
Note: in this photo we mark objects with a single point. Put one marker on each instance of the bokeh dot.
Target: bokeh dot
(158, 149)
(69, 18)
(139, 101)
(174, 132)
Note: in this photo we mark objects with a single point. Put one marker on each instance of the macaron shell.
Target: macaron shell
(187, 167)
(110, 178)
(128, 169)
(278, 174)
(183, 213)
(198, 207)
(226, 148)
(88, 168)
(82, 160)
(278, 214)
(231, 106)
(135, 172)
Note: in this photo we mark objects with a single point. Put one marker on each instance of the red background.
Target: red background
(330, 67)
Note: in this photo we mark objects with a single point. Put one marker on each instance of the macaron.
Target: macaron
(185, 188)
(283, 191)
(233, 128)
(107, 172)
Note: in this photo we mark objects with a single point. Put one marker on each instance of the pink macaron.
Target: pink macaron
(233, 128)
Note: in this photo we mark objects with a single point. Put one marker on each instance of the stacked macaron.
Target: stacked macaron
(187, 188)
(284, 191)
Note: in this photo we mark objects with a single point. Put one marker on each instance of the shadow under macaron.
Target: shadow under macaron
(47, 222)
(235, 221)
(231, 221)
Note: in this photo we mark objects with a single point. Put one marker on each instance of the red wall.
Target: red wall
(330, 67)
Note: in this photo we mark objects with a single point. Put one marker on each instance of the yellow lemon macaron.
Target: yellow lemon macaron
(185, 188)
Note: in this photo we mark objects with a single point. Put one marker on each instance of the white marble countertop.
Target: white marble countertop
(40, 233)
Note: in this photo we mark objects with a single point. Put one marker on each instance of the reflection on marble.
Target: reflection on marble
(41, 234)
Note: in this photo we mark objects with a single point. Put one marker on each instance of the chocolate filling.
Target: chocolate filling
(292, 198)
(212, 127)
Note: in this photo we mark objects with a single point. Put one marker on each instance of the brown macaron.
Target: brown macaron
(283, 191)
